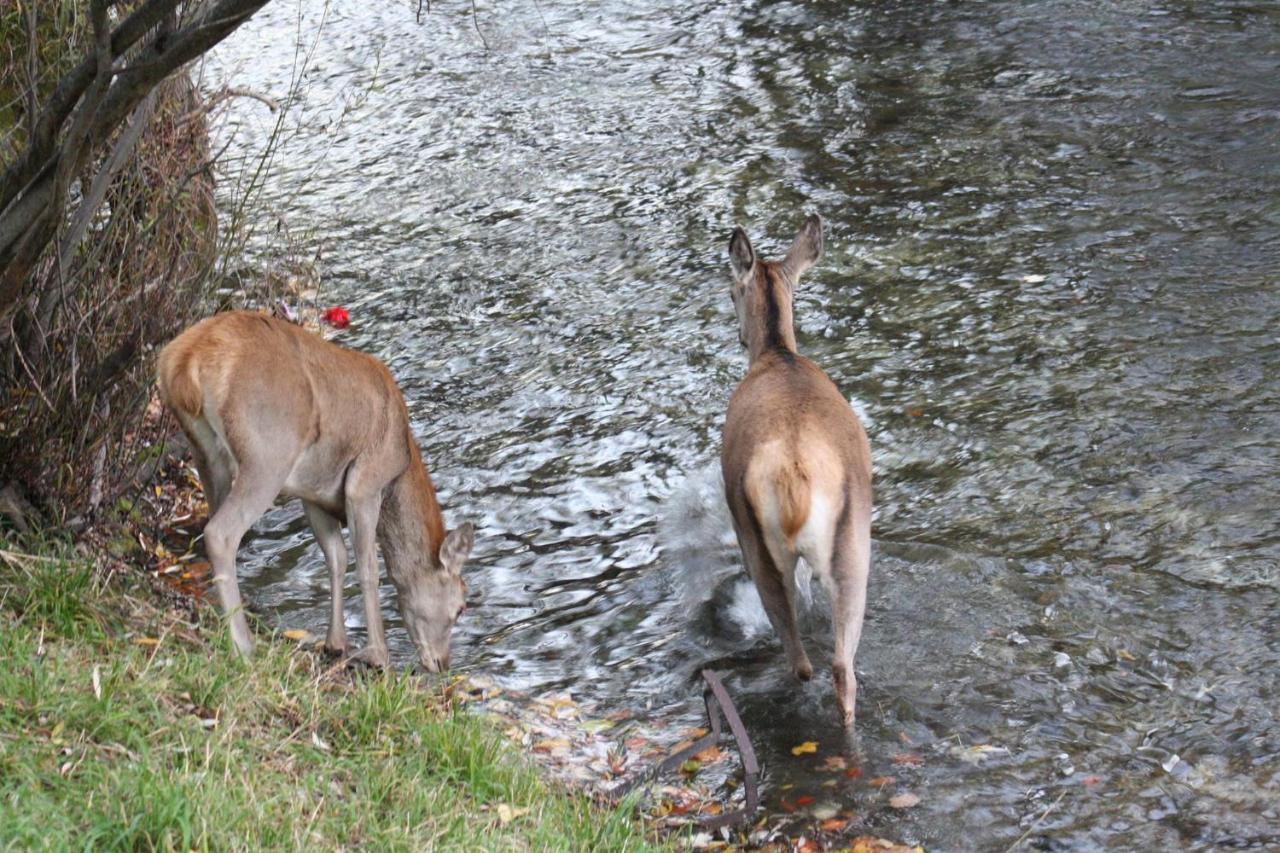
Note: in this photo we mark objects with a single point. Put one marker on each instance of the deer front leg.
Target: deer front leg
(362, 516)
(328, 533)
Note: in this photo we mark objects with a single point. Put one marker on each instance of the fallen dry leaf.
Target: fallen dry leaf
(904, 801)
(296, 634)
(833, 764)
(870, 844)
(977, 753)
(910, 759)
(825, 811)
(881, 781)
(806, 747)
(146, 641)
(1090, 780)
(834, 824)
(507, 813)
(550, 744)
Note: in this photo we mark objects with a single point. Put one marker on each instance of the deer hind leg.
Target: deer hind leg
(851, 565)
(213, 462)
(777, 593)
(254, 490)
(328, 531)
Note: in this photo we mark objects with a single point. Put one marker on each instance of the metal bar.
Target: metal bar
(719, 704)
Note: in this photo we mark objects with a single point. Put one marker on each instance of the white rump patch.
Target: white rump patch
(813, 544)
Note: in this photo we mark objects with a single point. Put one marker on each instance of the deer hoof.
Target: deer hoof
(804, 670)
(372, 657)
(336, 647)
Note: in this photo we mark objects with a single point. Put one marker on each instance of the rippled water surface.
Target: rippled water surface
(1050, 286)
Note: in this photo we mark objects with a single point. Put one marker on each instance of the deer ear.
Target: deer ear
(806, 249)
(741, 256)
(456, 547)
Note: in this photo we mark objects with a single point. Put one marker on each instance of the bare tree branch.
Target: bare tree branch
(29, 216)
(70, 88)
(93, 197)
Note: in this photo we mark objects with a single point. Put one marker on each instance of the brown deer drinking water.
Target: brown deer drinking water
(796, 463)
(272, 409)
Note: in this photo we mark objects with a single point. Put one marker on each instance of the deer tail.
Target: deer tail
(179, 385)
(792, 490)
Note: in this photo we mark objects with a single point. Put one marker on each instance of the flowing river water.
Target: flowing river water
(1050, 288)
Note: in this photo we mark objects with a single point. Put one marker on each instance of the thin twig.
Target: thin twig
(475, 20)
(546, 30)
(1039, 820)
(223, 95)
(20, 559)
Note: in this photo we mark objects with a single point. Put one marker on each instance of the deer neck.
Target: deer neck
(410, 528)
(773, 327)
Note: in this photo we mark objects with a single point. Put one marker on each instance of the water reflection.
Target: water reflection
(1050, 283)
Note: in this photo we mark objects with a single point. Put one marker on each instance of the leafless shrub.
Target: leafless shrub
(108, 230)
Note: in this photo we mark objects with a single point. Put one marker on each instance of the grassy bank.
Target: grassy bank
(127, 724)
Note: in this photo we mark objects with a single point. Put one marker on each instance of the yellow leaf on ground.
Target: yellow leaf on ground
(806, 747)
(550, 744)
(870, 844)
(563, 700)
(507, 813)
(296, 634)
(146, 641)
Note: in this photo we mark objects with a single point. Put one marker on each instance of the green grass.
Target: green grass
(105, 742)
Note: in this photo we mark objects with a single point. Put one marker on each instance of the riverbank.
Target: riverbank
(125, 722)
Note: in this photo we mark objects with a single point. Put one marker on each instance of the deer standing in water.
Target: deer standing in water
(796, 463)
(272, 409)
